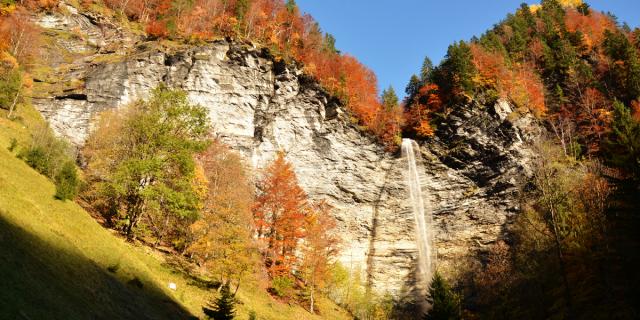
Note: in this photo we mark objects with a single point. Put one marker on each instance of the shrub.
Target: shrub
(13, 144)
(67, 182)
(282, 286)
(47, 152)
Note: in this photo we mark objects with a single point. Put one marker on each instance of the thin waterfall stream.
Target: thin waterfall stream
(421, 208)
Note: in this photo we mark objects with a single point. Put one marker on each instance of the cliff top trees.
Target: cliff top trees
(454, 76)
(389, 98)
(140, 161)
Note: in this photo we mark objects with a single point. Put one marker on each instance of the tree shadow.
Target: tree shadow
(41, 281)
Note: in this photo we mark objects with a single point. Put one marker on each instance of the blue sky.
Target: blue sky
(393, 37)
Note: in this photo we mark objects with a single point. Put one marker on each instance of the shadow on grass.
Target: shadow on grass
(40, 281)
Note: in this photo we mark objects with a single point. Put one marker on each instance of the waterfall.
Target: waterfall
(421, 208)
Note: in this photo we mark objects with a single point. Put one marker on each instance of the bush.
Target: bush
(53, 157)
(282, 286)
(67, 182)
(13, 145)
(47, 152)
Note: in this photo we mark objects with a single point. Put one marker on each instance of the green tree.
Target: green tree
(10, 88)
(413, 86)
(67, 182)
(455, 74)
(389, 98)
(584, 9)
(291, 6)
(623, 146)
(242, 6)
(329, 43)
(625, 71)
(141, 161)
(223, 307)
(445, 303)
(426, 70)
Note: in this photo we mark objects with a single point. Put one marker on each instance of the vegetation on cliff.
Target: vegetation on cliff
(577, 71)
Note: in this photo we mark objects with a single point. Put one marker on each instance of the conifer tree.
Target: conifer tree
(389, 98)
(413, 86)
(445, 304)
(624, 144)
(223, 307)
(426, 70)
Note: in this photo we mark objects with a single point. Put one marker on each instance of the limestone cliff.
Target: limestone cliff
(260, 106)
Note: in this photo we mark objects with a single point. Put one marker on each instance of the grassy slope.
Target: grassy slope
(55, 259)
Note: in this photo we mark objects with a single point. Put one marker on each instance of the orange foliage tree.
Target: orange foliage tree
(519, 83)
(279, 213)
(593, 116)
(417, 117)
(319, 249)
(19, 37)
(221, 239)
(592, 26)
(290, 34)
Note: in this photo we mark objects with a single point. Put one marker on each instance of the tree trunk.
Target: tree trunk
(312, 301)
(13, 105)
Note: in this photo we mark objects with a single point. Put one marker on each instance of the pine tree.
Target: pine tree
(389, 98)
(426, 70)
(413, 86)
(455, 74)
(624, 143)
(445, 304)
(223, 307)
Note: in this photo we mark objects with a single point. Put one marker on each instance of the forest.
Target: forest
(154, 172)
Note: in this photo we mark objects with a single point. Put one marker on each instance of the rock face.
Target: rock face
(259, 107)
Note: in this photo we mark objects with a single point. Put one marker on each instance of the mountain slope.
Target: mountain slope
(58, 263)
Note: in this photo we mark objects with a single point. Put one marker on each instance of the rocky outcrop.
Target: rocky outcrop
(261, 107)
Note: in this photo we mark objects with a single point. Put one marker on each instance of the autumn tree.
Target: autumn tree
(593, 118)
(319, 249)
(19, 36)
(420, 109)
(141, 162)
(221, 239)
(279, 212)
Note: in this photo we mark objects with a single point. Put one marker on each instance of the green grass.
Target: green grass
(57, 262)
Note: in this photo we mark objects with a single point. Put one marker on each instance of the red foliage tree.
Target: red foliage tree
(427, 101)
(593, 116)
(279, 213)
